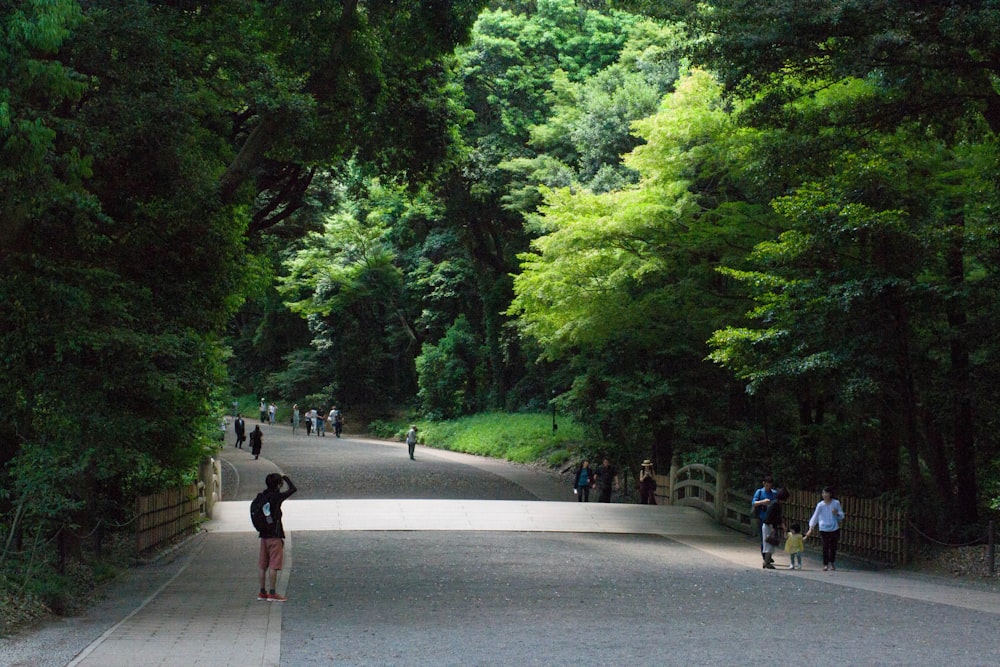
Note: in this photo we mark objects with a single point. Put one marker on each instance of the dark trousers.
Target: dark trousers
(830, 540)
(583, 494)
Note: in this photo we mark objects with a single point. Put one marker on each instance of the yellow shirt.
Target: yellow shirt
(793, 544)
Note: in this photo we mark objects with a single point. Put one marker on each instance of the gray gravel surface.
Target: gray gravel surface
(361, 468)
(477, 598)
(553, 599)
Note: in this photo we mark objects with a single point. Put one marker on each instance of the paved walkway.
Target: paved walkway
(205, 612)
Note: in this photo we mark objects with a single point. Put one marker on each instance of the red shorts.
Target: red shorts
(272, 553)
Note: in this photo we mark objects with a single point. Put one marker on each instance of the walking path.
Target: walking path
(206, 613)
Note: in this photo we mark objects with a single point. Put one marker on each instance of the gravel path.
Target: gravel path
(478, 598)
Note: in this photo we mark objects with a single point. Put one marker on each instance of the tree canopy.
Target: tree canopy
(717, 229)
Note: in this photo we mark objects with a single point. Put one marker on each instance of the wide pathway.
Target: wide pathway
(461, 580)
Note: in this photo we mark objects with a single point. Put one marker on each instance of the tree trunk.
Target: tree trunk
(961, 398)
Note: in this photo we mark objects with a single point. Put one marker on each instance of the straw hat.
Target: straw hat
(647, 464)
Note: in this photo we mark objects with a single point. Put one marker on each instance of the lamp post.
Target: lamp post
(555, 427)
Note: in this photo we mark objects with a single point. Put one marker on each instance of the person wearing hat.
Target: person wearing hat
(411, 440)
(647, 484)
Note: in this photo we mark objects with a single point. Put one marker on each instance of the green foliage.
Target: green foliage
(346, 283)
(622, 284)
(143, 145)
(450, 373)
(518, 437)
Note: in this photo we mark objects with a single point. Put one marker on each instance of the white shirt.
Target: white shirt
(827, 515)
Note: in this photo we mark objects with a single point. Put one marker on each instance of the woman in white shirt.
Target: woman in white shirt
(827, 518)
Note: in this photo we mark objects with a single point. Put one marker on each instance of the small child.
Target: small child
(794, 546)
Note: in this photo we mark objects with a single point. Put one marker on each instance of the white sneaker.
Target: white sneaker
(791, 567)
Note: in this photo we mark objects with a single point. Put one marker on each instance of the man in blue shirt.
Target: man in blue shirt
(763, 497)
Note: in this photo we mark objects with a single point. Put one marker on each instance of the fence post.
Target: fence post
(721, 489)
(675, 465)
(206, 479)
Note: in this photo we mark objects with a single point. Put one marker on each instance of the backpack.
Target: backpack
(260, 513)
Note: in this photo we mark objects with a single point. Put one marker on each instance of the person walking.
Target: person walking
(773, 525)
(256, 441)
(582, 481)
(794, 547)
(263, 411)
(295, 418)
(309, 422)
(337, 419)
(827, 517)
(763, 497)
(607, 480)
(240, 428)
(411, 440)
(647, 484)
(272, 412)
(320, 418)
(272, 537)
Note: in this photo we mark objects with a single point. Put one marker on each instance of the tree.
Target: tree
(927, 63)
(145, 146)
(934, 61)
(622, 282)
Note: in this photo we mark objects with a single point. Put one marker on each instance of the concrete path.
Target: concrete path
(200, 607)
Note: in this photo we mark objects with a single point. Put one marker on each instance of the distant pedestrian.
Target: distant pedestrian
(583, 481)
(827, 517)
(647, 484)
(256, 440)
(320, 417)
(272, 539)
(411, 440)
(223, 427)
(240, 427)
(794, 547)
(774, 526)
(337, 417)
(272, 412)
(309, 423)
(295, 418)
(763, 497)
(263, 411)
(607, 480)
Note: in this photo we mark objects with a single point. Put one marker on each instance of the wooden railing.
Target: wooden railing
(163, 516)
(874, 530)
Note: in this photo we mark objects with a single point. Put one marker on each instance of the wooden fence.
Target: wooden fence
(874, 530)
(164, 516)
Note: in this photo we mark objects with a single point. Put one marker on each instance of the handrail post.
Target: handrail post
(675, 465)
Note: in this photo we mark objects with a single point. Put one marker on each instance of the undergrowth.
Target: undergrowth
(516, 437)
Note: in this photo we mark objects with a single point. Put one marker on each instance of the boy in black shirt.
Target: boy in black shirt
(272, 538)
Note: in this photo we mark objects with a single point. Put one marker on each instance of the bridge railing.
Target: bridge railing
(874, 530)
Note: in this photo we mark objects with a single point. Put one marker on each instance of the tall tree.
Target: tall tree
(623, 282)
(143, 144)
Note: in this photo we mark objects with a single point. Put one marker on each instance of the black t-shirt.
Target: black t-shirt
(275, 498)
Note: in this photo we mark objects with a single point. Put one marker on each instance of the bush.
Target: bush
(518, 437)
(388, 430)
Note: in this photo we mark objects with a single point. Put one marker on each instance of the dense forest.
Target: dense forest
(759, 231)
